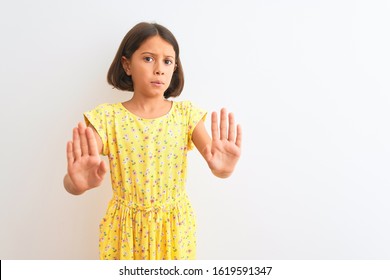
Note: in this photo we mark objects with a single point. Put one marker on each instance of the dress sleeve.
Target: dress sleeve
(195, 114)
(99, 118)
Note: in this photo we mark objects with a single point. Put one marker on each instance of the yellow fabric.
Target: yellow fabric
(150, 215)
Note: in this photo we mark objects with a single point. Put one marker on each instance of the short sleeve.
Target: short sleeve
(195, 115)
(99, 118)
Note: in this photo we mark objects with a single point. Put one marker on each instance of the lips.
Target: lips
(157, 83)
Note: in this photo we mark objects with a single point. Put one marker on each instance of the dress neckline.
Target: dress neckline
(148, 119)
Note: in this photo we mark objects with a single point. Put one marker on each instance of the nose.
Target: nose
(158, 70)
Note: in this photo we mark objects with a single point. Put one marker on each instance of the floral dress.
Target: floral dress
(149, 215)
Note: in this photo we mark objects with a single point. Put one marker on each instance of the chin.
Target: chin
(156, 94)
(159, 91)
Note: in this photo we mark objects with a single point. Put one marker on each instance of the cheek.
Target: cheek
(169, 79)
(139, 72)
(170, 73)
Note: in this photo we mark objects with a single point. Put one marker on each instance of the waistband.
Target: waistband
(155, 207)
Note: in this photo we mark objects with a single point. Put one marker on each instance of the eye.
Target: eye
(148, 59)
(168, 62)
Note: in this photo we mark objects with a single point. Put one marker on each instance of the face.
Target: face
(151, 67)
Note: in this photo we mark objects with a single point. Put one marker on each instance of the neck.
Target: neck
(148, 107)
(146, 103)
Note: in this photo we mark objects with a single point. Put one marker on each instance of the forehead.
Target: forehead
(157, 45)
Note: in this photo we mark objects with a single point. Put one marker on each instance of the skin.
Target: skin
(151, 68)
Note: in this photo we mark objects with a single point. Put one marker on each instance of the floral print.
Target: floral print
(150, 215)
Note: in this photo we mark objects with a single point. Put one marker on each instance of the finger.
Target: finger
(76, 144)
(239, 136)
(69, 153)
(223, 125)
(92, 144)
(232, 127)
(83, 139)
(214, 125)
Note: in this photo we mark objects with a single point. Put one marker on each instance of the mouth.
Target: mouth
(157, 83)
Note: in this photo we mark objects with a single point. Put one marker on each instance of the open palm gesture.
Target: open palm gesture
(85, 167)
(224, 151)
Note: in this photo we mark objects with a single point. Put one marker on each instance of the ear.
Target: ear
(126, 65)
(175, 67)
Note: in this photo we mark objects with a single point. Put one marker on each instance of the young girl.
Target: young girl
(146, 140)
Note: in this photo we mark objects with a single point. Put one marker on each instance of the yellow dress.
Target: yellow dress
(149, 215)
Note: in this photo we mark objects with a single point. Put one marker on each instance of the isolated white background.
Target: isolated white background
(308, 81)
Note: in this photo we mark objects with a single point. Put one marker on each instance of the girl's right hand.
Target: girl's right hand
(85, 167)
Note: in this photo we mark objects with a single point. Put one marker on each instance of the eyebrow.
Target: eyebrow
(155, 54)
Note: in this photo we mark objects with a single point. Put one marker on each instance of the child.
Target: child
(146, 140)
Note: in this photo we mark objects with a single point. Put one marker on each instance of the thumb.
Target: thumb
(207, 153)
(102, 169)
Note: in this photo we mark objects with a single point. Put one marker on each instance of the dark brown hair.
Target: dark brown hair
(116, 75)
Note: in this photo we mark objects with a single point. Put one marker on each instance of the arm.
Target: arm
(223, 150)
(86, 169)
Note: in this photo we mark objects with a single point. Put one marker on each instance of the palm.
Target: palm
(84, 171)
(224, 151)
(224, 155)
(85, 167)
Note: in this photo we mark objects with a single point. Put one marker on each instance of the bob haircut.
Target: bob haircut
(116, 75)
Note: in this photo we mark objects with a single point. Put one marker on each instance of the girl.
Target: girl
(146, 140)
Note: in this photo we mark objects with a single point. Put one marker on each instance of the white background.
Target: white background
(308, 81)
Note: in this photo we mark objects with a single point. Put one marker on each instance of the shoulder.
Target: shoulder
(182, 105)
(185, 107)
(105, 109)
(190, 112)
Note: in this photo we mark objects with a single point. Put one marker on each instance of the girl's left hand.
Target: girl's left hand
(224, 151)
